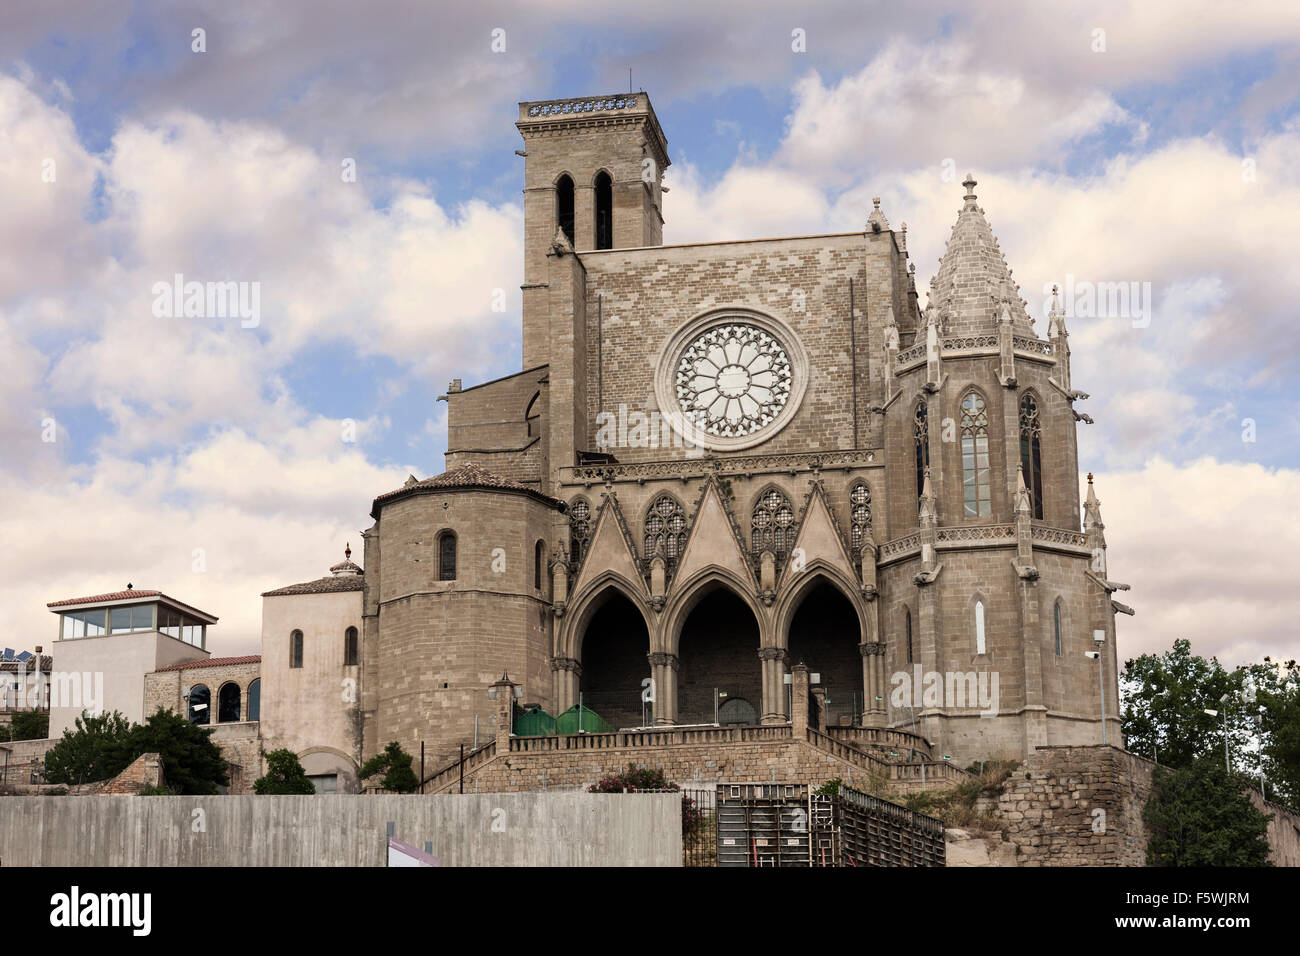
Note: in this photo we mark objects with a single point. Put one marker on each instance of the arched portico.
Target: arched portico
(713, 636)
(601, 651)
(823, 621)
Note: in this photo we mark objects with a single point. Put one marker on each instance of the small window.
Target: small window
(908, 628)
(921, 440)
(447, 556)
(295, 649)
(564, 205)
(980, 647)
(350, 650)
(255, 700)
(1056, 626)
(604, 211)
(539, 564)
(228, 704)
(200, 701)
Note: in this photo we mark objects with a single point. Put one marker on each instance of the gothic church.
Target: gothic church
(722, 460)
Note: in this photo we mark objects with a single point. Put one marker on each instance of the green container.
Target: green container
(534, 722)
(592, 722)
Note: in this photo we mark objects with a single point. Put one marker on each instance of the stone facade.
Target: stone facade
(725, 459)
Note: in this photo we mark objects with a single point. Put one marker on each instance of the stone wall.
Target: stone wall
(1049, 814)
(705, 757)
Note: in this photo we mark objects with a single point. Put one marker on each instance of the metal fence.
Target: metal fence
(774, 824)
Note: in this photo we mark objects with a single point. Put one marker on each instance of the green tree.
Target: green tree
(1164, 699)
(30, 725)
(1277, 702)
(192, 763)
(80, 756)
(284, 774)
(1200, 815)
(395, 764)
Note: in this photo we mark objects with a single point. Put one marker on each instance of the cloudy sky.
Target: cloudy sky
(1141, 142)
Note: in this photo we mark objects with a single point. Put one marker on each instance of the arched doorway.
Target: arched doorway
(718, 651)
(824, 634)
(614, 656)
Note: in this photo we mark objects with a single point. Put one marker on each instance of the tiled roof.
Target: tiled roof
(466, 477)
(112, 596)
(325, 585)
(47, 663)
(128, 595)
(212, 662)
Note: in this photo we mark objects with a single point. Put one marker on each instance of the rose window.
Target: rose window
(733, 380)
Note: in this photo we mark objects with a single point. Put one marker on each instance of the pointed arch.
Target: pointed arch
(698, 587)
(564, 204)
(973, 428)
(585, 604)
(717, 645)
(603, 190)
(531, 413)
(798, 588)
(921, 443)
(1031, 453)
(979, 624)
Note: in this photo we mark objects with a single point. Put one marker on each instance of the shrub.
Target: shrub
(395, 764)
(284, 774)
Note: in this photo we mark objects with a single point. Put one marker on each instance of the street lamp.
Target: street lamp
(1214, 713)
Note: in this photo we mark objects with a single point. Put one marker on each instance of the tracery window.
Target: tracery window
(665, 529)
(1031, 455)
(859, 514)
(579, 530)
(773, 524)
(921, 437)
(975, 456)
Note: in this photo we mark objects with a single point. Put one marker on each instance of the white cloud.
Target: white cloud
(1208, 547)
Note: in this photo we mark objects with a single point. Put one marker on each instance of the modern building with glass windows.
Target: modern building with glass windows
(106, 645)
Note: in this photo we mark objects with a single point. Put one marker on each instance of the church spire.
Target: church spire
(973, 282)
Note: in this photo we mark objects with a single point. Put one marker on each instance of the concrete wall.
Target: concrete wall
(526, 829)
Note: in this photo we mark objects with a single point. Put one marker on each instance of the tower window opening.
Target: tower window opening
(564, 205)
(604, 211)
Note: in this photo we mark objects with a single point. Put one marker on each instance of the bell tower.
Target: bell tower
(593, 180)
